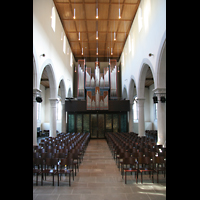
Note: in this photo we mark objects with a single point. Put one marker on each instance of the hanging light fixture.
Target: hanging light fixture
(111, 51)
(97, 51)
(114, 36)
(119, 14)
(97, 35)
(97, 16)
(79, 36)
(74, 17)
(118, 69)
(82, 51)
(75, 69)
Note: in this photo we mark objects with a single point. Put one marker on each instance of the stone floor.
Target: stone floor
(100, 179)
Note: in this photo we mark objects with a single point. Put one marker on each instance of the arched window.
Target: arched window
(53, 19)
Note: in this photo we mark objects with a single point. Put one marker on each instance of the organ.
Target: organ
(97, 88)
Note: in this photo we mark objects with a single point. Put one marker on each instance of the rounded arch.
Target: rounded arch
(51, 75)
(124, 93)
(132, 85)
(142, 76)
(62, 88)
(161, 64)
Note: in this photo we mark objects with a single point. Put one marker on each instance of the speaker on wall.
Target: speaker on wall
(39, 99)
(155, 99)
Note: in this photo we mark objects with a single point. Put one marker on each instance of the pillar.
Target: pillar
(63, 116)
(53, 104)
(141, 126)
(35, 93)
(161, 116)
(131, 117)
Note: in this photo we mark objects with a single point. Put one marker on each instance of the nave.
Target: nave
(99, 178)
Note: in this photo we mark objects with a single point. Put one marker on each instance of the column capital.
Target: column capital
(53, 101)
(159, 90)
(35, 93)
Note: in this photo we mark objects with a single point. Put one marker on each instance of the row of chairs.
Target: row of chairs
(149, 158)
(51, 162)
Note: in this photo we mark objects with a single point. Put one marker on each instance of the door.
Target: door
(94, 126)
(97, 126)
(101, 133)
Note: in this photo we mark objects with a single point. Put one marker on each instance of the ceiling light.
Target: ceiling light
(97, 13)
(119, 14)
(114, 36)
(97, 35)
(74, 17)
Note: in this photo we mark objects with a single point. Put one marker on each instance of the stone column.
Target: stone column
(35, 93)
(131, 117)
(141, 126)
(63, 116)
(53, 104)
(161, 116)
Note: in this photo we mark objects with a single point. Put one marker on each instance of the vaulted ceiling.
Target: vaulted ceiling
(86, 25)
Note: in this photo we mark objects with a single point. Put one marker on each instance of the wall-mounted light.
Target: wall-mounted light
(42, 55)
(151, 55)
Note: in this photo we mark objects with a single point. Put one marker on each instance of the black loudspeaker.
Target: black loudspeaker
(155, 99)
(162, 99)
(39, 99)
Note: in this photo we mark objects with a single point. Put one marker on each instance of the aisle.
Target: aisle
(99, 178)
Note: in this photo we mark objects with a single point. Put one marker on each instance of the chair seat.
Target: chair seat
(160, 169)
(130, 169)
(38, 171)
(62, 171)
(145, 169)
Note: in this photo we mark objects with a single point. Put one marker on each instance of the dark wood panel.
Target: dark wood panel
(80, 106)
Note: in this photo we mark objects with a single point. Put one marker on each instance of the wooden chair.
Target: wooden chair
(145, 161)
(64, 163)
(39, 163)
(132, 162)
(49, 163)
(159, 165)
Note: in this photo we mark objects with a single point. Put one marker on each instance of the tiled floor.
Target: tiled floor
(100, 179)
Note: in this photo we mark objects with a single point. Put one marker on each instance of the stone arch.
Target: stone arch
(132, 85)
(51, 75)
(124, 93)
(161, 70)
(62, 88)
(142, 76)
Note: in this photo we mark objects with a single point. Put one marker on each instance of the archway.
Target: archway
(160, 90)
(47, 79)
(146, 79)
(62, 92)
(124, 93)
(132, 93)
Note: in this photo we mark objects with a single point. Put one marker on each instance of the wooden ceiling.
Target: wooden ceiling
(86, 23)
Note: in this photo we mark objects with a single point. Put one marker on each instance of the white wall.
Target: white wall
(48, 42)
(146, 41)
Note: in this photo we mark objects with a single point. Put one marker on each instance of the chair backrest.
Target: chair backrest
(144, 160)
